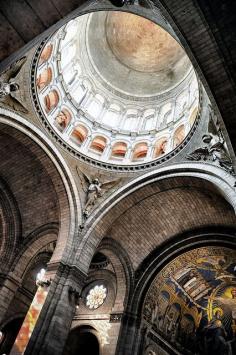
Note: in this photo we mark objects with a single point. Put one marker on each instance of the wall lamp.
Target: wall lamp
(40, 280)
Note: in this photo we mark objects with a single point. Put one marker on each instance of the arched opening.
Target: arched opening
(35, 244)
(46, 54)
(179, 136)
(192, 116)
(63, 119)
(44, 78)
(160, 147)
(192, 312)
(82, 341)
(51, 100)
(140, 151)
(79, 134)
(8, 334)
(98, 144)
(119, 150)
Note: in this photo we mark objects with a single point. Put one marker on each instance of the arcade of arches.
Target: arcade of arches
(117, 179)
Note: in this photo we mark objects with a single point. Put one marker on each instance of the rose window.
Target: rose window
(96, 297)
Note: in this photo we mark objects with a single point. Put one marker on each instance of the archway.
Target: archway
(186, 324)
(83, 341)
(9, 333)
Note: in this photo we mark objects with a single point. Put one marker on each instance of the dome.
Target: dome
(140, 44)
(116, 88)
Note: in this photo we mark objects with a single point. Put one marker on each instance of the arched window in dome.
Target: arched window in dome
(79, 93)
(63, 119)
(178, 136)
(160, 147)
(98, 144)
(71, 30)
(193, 92)
(44, 78)
(69, 75)
(79, 134)
(181, 103)
(111, 116)
(119, 150)
(131, 120)
(164, 115)
(193, 116)
(95, 106)
(46, 54)
(67, 54)
(140, 151)
(148, 120)
(51, 100)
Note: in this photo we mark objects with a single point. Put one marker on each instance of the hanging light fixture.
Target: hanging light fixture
(40, 279)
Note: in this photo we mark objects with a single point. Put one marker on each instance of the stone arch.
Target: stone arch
(177, 245)
(120, 261)
(99, 225)
(38, 241)
(156, 261)
(10, 225)
(82, 330)
(54, 165)
(63, 119)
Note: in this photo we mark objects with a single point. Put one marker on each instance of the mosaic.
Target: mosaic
(192, 302)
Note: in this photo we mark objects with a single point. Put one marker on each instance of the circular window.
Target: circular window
(116, 88)
(96, 296)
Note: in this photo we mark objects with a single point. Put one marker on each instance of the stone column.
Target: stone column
(54, 323)
(129, 339)
(8, 289)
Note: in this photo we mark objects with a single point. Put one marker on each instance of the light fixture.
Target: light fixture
(1, 338)
(40, 279)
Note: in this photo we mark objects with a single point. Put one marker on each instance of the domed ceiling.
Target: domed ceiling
(116, 88)
(136, 56)
(140, 44)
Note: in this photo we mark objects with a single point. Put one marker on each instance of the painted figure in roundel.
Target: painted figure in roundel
(192, 302)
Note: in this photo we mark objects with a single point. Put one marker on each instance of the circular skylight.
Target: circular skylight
(116, 88)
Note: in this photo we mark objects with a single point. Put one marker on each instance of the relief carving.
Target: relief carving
(9, 87)
(215, 149)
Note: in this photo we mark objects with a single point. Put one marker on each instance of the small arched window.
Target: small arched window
(51, 100)
(44, 78)
(140, 151)
(79, 134)
(179, 136)
(119, 150)
(160, 147)
(98, 144)
(193, 116)
(46, 54)
(63, 119)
